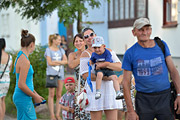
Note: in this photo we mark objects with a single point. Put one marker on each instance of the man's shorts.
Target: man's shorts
(106, 72)
(154, 105)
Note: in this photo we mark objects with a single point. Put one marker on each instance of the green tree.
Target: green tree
(68, 10)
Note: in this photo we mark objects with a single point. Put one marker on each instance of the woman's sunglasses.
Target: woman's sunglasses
(87, 36)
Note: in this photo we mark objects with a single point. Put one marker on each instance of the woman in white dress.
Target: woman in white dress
(107, 102)
(5, 58)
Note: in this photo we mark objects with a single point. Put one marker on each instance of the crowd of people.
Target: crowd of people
(140, 89)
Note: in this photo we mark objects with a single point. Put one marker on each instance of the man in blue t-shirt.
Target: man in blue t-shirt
(101, 54)
(146, 61)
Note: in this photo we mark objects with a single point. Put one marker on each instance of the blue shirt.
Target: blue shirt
(148, 67)
(105, 57)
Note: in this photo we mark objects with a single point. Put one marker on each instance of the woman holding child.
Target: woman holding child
(74, 63)
(107, 102)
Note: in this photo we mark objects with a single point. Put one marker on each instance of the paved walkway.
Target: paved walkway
(9, 118)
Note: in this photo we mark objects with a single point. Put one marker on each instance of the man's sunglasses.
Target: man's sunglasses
(87, 36)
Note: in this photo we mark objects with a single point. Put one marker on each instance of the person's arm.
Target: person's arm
(62, 104)
(131, 114)
(71, 110)
(93, 76)
(102, 65)
(72, 61)
(176, 81)
(50, 62)
(55, 63)
(66, 108)
(63, 61)
(117, 66)
(47, 55)
(23, 71)
(36, 93)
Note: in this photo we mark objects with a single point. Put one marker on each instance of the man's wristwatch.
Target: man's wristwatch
(178, 94)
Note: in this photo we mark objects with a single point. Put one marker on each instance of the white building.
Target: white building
(12, 23)
(164, 17)
(11, 26)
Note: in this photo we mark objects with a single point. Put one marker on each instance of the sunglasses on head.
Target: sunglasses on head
(87, 36)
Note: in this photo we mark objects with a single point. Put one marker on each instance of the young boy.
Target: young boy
(102, 57)
(67, 100)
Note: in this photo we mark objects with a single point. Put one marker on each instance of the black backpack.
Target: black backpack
(173, 89)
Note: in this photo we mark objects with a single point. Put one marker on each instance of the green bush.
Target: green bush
(38, 63)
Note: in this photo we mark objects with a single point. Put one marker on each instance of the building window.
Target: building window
(122, 13)
(170, 13)
(5, 25)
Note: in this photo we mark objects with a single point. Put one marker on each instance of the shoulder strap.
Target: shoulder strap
(79, 82)
(18, 55)
(60, 51)
(5, 67)
(87, 53)
(160, 44)
(26, 56)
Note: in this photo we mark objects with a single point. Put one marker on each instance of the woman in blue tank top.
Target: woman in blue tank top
(24, 89)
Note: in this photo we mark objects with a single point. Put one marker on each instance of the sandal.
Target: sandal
(53, 118)
(58, 118)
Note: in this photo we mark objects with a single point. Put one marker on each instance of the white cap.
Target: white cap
(141, 22)
(97, 41)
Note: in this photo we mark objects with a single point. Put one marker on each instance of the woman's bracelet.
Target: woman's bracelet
(178, 94)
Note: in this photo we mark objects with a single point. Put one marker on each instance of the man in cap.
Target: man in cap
(101, 54)
(150, 67)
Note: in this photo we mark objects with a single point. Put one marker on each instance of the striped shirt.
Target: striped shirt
(67, 100)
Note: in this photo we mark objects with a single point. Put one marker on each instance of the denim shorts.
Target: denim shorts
(106, 72)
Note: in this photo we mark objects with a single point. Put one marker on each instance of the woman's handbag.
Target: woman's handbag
(52, 81)
(82, 99)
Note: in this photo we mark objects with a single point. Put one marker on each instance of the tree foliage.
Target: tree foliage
(68, 10)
